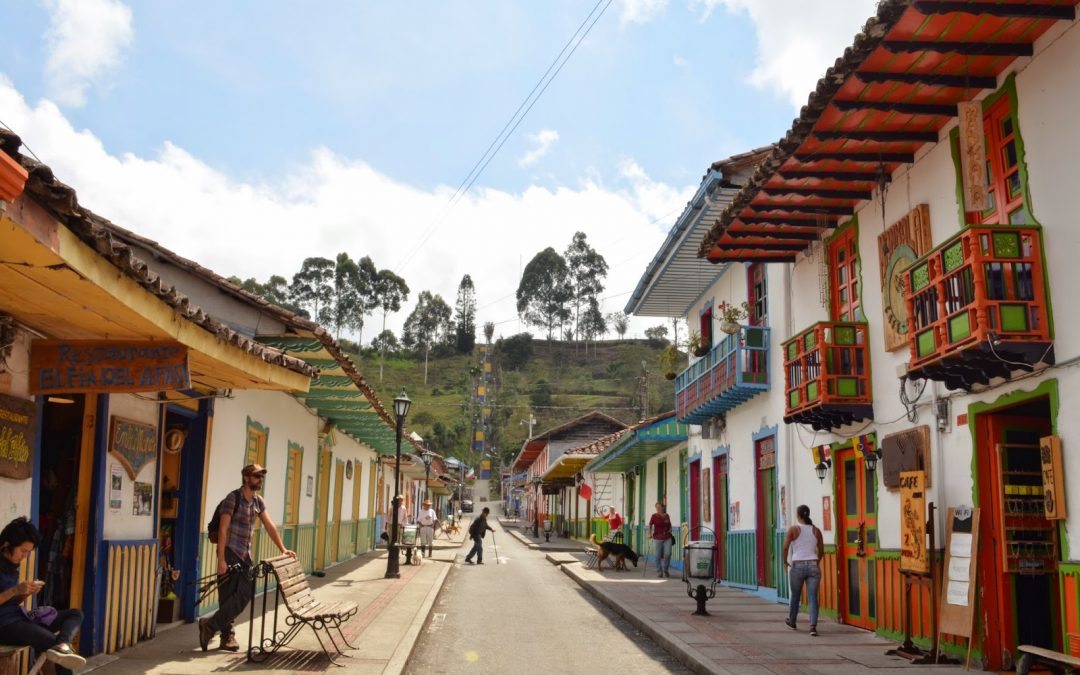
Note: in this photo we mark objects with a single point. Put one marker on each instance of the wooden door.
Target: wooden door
(765, 457)
(857, 541)
(1019, 553)
(322, 502)
(720, 506)
(83, 508)
(339, 486)
(695, 499)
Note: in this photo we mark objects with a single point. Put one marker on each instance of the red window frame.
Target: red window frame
(1002, 167)
(705, 327)
(844, 276)
(757, 292)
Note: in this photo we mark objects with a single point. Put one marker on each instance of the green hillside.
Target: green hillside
(605, 377)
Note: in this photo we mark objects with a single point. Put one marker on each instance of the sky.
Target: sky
(251, 134)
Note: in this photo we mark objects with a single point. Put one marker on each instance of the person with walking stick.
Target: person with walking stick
(477, 531)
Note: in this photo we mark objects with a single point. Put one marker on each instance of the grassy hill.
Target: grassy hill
(605, 377)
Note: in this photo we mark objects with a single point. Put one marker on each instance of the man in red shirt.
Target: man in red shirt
(660, 531)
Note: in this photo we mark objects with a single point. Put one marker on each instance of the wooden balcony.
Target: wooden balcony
(733, 372)
(977, 308)
(827, 376)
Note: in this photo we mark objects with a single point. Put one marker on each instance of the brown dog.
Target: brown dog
(617, 552)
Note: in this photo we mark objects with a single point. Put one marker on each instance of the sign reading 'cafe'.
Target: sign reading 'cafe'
(107, 366)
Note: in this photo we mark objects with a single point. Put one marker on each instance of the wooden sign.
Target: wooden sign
(907, 450)
(904, 242)
(958, 582)
(18, 423)
(1053, 476)
(107, 366)
(973, 156)
(134, 444)
(913, 557)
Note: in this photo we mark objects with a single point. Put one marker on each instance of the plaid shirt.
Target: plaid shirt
(243, 521)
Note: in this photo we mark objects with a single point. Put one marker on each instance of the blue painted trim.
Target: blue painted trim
(764, 432)
(157, 471)
(721, 450)
(96, 574)
(690, 459)
(35, 479)
(186, 549)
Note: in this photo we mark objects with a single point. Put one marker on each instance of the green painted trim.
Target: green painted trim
(1049, 389)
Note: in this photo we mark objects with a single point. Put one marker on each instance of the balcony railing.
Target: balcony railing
(827, 375)
(977, 307)
(734, 371)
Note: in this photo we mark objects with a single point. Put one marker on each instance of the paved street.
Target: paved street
(524, 615)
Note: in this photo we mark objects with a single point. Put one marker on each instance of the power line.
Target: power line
(504, 134)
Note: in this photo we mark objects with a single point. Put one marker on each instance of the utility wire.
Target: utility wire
(504, 134)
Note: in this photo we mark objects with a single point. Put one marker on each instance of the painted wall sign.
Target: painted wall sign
(913, 557)
(907, 450)
(973, 156)
(18, 421)
(134, 444)
(826, 513)
(1053, 475)
(107, 366)
(904, 242)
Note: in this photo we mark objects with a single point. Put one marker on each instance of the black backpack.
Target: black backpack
(215, 522)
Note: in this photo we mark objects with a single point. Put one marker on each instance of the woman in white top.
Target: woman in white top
(807, 549)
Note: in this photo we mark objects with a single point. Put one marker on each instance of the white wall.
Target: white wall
(348, 449)
(121, 524)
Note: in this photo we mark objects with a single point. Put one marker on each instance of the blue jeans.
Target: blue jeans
(662, 550)
(477, 550)
(804, 572)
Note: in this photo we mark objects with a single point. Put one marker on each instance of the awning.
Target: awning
(532, 447)
(640, 444)
(889, 95)
(568, 464)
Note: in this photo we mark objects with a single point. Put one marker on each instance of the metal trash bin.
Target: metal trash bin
(408, 535)
(701, 559)
(547, 525)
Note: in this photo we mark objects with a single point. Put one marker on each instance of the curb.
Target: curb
(684, 654)
(400, 657)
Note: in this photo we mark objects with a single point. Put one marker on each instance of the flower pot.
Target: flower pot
(730, 327)
(701, 351)
(669, 376)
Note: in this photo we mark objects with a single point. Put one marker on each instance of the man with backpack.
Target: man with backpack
(231, 531)
(477, 531)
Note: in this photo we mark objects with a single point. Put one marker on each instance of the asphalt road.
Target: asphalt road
(524, 615)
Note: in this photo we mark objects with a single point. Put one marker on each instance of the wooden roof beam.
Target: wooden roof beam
(1011, 10)
(931, 79)
(847, 176)
(963, 48)
(791, 222)
(933, 109)
(879, 136)
(771, 234)
(864, 157)
(803, 208)
(818, 192)
(718, 256)
(761, 246)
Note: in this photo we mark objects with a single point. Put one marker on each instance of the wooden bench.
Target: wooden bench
(1056, 661)
(300, 609)
(9, 660)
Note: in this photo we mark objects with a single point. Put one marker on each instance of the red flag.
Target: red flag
(585, 491)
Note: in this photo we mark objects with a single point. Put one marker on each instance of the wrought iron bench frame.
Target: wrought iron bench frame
(300, 609)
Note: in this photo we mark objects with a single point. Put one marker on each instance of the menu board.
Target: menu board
(913, 555)
(18, 422)
(958, 584)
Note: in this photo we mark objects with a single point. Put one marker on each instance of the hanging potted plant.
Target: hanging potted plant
(730, 315)
(696, 346)
(670, 358)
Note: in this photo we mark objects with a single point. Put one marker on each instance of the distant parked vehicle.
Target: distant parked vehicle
(466, 506)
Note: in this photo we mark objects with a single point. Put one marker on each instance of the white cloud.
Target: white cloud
(796, 43)
(333, 203)
(681, 62)
(84, 41)
(641, 11)
(542, 142)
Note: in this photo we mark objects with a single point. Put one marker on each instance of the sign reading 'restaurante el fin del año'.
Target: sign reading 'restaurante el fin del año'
(107, 366)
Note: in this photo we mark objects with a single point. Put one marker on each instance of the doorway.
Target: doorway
(1018, 558)
(339, 486)
(765, 459)
(857, 541)
(695, 499)
(67, 470)
(322, 504)
(720, 507)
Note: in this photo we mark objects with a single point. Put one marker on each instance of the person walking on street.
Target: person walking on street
(660, 532)
(428, 521)
(477, 531)
(807, 549)
(237, 514)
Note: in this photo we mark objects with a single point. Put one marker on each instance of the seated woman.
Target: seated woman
(53, 639)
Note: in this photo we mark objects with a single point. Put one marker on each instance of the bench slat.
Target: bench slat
(1050, 654)
(296, 591)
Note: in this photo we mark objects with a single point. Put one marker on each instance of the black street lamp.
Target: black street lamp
(427, 457)
(401, 409)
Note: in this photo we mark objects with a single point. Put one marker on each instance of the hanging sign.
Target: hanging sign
(904, 242)
(107, 366)
(913, 556)
(907, 450)
(134, 444)
(18, 420)
(1053, 475)
(973, 156)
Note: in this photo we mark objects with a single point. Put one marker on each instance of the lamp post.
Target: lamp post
(537, 481)
(426, 456)
(401, 409)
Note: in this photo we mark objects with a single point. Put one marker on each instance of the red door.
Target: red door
(765, 457)
(695, 499)
(857, 539)
(720, 510)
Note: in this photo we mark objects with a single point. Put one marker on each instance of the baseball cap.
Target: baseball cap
(253, 470)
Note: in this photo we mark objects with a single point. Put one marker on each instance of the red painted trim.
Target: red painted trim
(12, 177)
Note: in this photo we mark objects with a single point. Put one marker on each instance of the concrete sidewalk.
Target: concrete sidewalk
(518, 530)
(745, 634)
(391, 616)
